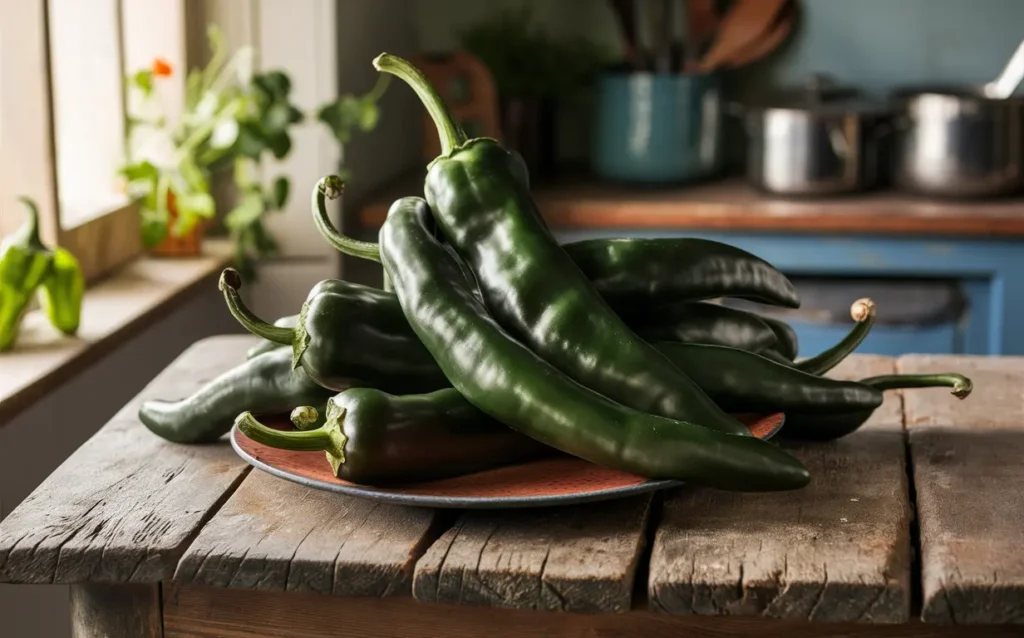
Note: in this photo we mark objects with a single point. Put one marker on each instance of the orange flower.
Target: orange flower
(162, 68)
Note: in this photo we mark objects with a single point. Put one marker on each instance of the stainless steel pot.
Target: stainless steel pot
(954, 142)
(817, 144)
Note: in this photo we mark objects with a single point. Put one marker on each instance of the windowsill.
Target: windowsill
(113, 310)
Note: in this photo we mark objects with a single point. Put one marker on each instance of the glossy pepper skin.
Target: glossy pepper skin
(478, 193)
(736, 380)
(509, 382)
(699, 322)
(24, 264)
(375, 438)
(265, 384)
(645, 270)
(344, 337)
(827, 427)
(786, 341)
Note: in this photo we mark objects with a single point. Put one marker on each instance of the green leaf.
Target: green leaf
(274, 84)
(281, 188)
(225, 133)
(195, 205)
(193, 89)
(248, 211)
(369, 116)
(144, 81)
(153, 232)
(342, 117)
(192, 175)
(139, 171)
(277, 118)
(279, 144)
(251, 140)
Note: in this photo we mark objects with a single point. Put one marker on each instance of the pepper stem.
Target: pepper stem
(304, 417)
(28, 234)
(863, 312)
(450, 133)
(962, 386)
(328, 438)
(230, 283)
(331, 187)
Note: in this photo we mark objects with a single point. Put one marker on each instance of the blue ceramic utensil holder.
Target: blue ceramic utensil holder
(657, 129)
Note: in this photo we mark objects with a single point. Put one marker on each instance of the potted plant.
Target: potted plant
(532, 72)
(232, 118)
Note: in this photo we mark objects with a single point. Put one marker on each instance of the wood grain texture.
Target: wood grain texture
(202, 612)
(274, 534)
(576, 202)
(123, 507)
(836, 551)
(966, 458)
(112, 311)
(124, 611)
(581, 558)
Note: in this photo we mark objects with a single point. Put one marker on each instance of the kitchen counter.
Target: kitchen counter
(580, 203)
(911, 527)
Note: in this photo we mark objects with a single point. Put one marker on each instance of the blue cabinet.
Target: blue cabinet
(987, 273)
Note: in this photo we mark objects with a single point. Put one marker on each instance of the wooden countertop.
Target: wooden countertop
(129, 507)
(582, 203)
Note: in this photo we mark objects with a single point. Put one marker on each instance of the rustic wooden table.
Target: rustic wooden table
(913, 526)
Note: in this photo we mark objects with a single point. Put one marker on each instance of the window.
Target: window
(62, 115)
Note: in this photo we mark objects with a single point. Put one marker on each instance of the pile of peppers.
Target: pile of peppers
(31, 269)
(492, 344)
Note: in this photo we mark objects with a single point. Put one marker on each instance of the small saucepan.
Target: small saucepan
(820, 140)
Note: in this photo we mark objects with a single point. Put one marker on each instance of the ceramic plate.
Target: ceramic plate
(552, 481)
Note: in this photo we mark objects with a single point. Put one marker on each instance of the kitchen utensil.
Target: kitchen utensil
(661, 25)
(701, 25)
(770, 41)
(746, 22)
(625, 13)
(657, 129)
(1003, 86)
(819, 140)
(952, 141)
(561, 480)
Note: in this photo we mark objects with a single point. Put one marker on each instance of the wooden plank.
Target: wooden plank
(966, 458)
(203, 612)
(112, 311)
(123, 507)
(274, 534)
(582, 202)
(125, 611)
(837, 551)
(578, 558)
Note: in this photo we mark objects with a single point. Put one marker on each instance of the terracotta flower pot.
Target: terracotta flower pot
(188, 245)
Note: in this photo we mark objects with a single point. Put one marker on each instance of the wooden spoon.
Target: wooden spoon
(769, 42)
(746, 22)
(701, 24)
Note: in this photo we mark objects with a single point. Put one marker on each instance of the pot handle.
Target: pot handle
(838, 141)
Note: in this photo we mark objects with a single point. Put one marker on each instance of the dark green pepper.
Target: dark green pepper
(345, 333)
(375, 438)
(741, 381)
(863, 313)
(477, 191)
(827, 427)
(786, 341)
(265, 384)
(24, 263)
(289, 321)
(631, 271)
(699, 322)
(506, 380)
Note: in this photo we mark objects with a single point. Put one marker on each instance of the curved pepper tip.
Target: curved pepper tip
(331, 186)
(377, 60)
(229, 278)
(862, 310)
(962, 388)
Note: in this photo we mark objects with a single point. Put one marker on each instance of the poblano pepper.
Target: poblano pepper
(826, 427)
(375, 438)
(477, 191)
(630, 271)
(509, 382)
(265, 384)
